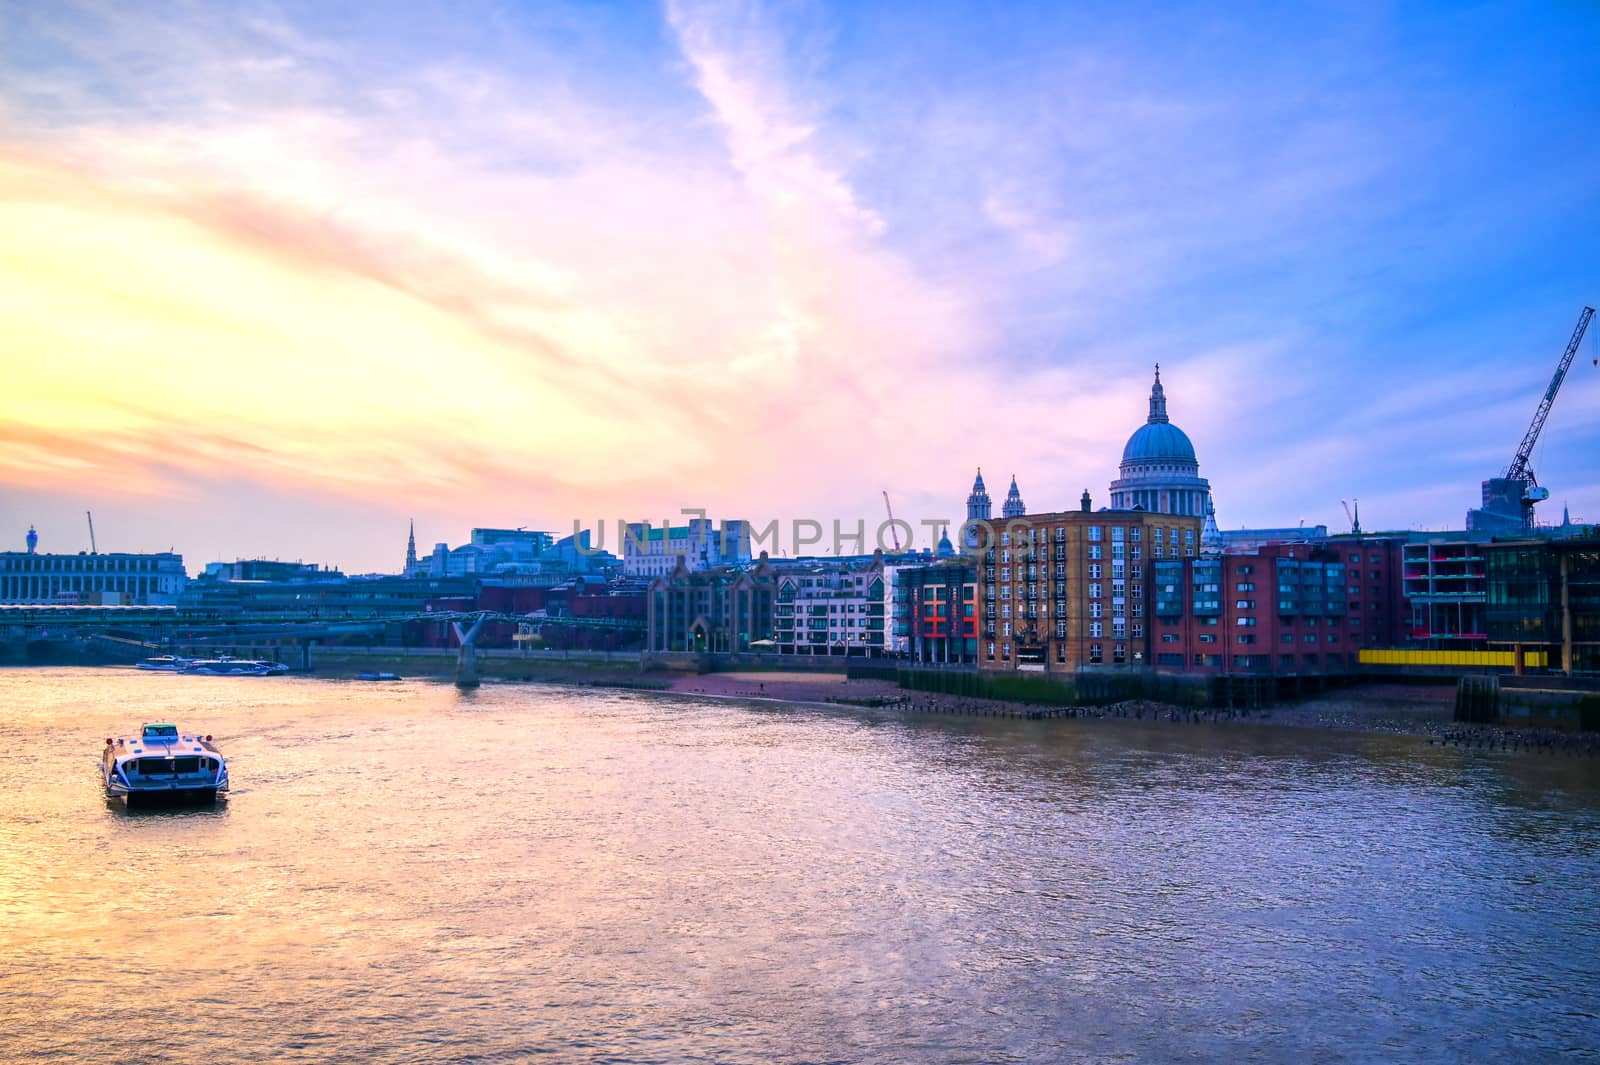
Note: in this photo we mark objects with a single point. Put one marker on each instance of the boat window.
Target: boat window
(168, 767)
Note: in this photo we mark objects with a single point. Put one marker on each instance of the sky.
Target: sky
(278, 278)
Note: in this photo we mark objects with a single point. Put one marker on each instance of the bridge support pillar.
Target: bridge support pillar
(467, 657)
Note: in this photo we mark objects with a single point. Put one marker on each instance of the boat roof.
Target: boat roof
(175, 742)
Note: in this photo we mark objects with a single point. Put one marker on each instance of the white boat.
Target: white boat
(228, 666)
(163, 765)
(164, 663)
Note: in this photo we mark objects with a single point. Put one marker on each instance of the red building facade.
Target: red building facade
(1286, 608)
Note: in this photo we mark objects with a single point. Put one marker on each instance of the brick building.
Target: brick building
(1307, 606)
(1063, 590)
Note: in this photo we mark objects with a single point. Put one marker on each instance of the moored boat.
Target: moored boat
(163, 765)
(228, 666)
(370, 675)
(163, 663)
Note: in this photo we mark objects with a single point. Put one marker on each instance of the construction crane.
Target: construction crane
(1355, 518)
(1518, 470)
(1508, 500)
(893, 531)
(93, 550)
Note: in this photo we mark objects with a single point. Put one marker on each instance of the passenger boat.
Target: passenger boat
(163, 765)
(228, 666)
(370, 675)
(164, 663)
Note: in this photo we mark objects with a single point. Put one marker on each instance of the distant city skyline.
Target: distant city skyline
(275, 280)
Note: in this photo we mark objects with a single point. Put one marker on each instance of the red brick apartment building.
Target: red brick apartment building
(1300, 607)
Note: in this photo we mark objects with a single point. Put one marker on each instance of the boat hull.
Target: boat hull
(183, 796)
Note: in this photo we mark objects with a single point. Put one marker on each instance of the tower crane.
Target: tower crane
(1508, 499)
(1518, 470)
(893, 531)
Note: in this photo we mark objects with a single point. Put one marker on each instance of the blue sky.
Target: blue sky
(606, 261)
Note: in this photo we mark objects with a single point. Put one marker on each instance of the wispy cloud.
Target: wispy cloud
(765, 259)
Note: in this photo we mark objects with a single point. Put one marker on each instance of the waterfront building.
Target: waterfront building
(1446, 587)
(1544, 596)
(313, 592)
(1305, 606)
(726, 608)
(831, 608)
(113, 578)
(1159, 471)
(1064, 590)
(934, 619)
(700, 544)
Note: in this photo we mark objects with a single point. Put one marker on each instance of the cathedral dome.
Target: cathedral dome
(1159, 471)
(1159, 442)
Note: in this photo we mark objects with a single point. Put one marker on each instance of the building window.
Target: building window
(1208, 637)
(1244, 604)
(1094, 533)
(1245, 586)
(1094, 550)
(1245, 622)
(1247, 637)
(1169, 637)
(1096, 629)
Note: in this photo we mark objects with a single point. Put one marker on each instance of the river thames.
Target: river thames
(409, 873)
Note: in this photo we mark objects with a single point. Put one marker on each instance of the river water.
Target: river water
(409, 873)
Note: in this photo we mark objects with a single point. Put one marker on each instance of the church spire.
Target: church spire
(411, 549)
(1210, 534)
(1158, 400)
(979, 505)
(1013, 506)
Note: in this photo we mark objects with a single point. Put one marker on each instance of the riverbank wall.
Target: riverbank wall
(619, 669)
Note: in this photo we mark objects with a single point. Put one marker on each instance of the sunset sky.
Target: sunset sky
(276, 278)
